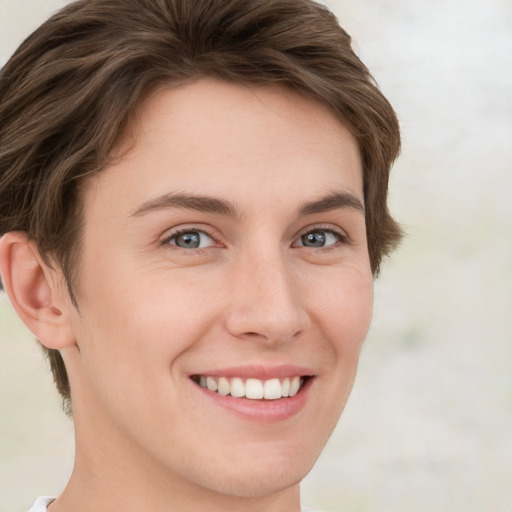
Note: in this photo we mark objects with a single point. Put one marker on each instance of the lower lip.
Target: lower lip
(265, 411)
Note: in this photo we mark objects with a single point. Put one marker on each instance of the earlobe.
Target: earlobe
(34, 291)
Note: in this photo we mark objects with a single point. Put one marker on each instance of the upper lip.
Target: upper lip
(262, 372)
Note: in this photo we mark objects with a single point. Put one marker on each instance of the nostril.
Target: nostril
(266, 322)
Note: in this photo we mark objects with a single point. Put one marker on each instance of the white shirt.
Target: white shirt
(41, 504)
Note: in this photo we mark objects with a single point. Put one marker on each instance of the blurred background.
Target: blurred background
(429, 424)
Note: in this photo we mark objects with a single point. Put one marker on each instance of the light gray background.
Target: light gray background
(429, 423)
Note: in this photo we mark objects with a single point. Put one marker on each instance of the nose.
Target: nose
(266, 304)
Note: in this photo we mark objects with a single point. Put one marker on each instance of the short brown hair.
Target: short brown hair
(71, 88)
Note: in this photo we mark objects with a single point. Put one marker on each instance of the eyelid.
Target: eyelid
(179, 230)
(328, 228)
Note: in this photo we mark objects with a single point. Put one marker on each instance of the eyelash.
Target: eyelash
(342, 237)
(182, 231)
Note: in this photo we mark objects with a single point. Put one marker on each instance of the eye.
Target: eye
(190, 239)
(319, 238)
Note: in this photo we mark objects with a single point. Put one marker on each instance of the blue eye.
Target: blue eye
(319, 238)
(191, 240)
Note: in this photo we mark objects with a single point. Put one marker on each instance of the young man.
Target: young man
(192, 210)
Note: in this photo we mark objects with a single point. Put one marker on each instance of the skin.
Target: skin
(153, 313)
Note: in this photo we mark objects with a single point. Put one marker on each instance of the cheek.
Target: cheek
(346, 312)
(149, 320)
(132, 338)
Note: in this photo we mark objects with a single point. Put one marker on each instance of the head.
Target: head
(79, 94)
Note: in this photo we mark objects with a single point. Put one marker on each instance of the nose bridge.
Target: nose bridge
(265, 299)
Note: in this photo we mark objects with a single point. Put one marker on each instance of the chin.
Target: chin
(256, 484)
(259, 476)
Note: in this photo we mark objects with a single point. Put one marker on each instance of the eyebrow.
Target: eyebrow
(189, 202)
(334, 201)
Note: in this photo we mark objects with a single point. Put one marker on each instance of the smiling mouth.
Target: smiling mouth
(253, 389)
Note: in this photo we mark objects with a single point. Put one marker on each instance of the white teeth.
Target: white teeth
(254, 389)
(224, 387)
(285, 388)
(211, 384)
(294, 386)
(272, 389)
(237, 387)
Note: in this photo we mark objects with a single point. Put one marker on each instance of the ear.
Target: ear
(36, 291)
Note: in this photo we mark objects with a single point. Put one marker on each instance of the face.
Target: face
(224, 268)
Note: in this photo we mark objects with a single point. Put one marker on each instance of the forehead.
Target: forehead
(228, 138)
(202, 109)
